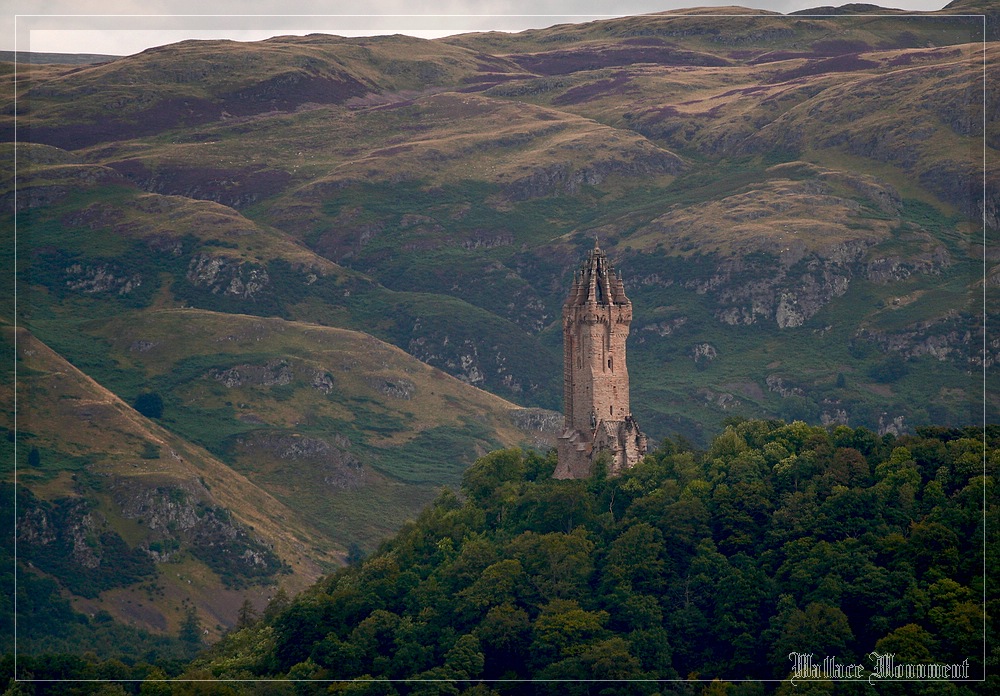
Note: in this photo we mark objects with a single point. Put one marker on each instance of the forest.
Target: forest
(694, 572)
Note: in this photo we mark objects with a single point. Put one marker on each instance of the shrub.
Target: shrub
(149, 404)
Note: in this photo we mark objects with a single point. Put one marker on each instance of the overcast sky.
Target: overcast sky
(123, 27)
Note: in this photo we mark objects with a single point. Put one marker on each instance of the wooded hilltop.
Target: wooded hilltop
(714, 565)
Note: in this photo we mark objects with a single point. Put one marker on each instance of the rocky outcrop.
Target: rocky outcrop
(273, 373)
(759, 287)
(223, 275)
(322, 381)
(397, 387)
(68, 539)
(955, 337)
(462, 361)
(332, 457)
(662, 328)
(832, 415)
(69, 524)
(891, 425)
(183, 512)
(703, 354)
(788, 291)
(537, 420)
(723, 400)
(778, 385)
(93, 278)
(488, 239)
(888, 269)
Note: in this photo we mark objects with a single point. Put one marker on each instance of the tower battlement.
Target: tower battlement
(596, 319)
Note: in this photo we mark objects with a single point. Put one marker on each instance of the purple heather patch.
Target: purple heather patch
(847, 63)
(569, 61)
(593, 90)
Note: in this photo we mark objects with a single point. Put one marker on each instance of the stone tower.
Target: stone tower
(596, 318)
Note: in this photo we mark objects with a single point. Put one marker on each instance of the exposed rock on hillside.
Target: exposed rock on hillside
(887, 269)
(185, 511)
(788, 246)
(540, 419)
(228, 276)
(397, 388)
(953, 337)
(273, 373)
(777, 384)
(70, 540)
(103, 277)
(339, 467)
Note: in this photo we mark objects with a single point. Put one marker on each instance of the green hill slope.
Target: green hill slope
(279, 447)
(797, 204)
(842, 176)
(133, 520)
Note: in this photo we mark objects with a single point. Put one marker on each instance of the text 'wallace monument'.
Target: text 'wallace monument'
(596, 318)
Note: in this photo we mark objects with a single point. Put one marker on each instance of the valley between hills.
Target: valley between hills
(335, 266)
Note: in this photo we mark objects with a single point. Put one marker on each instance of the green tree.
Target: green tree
(277, 604)
(636, 556)
(563, 627)
(821, 630)
(149, 404)
(560, 564)
(190, 630)
(505, 631)
(155, 683)
(497, 585)
(247, 615)
(910, 644)
(465, 660)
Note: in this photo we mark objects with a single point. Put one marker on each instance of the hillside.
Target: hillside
(339, 263)
(213, 516)
(842, 175)
(107, 495)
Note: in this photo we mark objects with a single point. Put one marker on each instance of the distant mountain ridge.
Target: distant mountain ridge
(38, 58)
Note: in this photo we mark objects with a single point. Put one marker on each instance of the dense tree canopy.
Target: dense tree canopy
(780, 538)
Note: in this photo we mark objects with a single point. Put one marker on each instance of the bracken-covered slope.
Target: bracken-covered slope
(326, 446)
(797, 204)
(107, 497)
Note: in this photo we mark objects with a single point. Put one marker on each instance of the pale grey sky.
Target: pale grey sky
(123, 27)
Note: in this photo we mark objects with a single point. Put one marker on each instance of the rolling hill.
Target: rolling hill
(339, 263)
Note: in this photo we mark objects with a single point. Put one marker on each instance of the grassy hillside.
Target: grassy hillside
(103, 488)
(313, 250)
(335, 426)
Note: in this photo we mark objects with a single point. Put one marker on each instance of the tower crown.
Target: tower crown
(596, 283)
